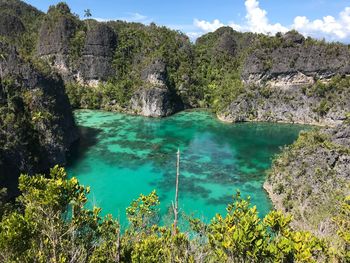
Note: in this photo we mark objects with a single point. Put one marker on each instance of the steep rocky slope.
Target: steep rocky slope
(36, 122)
(242, 76)
(311, 178)
(292, 79)
(104, 67)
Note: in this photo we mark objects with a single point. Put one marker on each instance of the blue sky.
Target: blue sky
(318, 18)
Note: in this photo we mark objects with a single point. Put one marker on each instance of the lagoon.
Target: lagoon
(120, 156)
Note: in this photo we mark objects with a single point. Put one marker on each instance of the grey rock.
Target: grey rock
(226, 44)
(285, 99)
(319, 61)
(97, 57)
(293, 37)
(55, 35)
(154, 102)
(52, 136)
(309, 181)
(155, 73)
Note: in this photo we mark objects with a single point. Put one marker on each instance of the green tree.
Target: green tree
(87, 13)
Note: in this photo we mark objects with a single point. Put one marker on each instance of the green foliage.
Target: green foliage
(240, 236)
(343, 222)
(217, 68)
(112, 95)
(31, 18)
(143, 212)
(330, 94)
(139, 46)
(347, 118)
(83, 96)
(53, 225)
(46, 231)
(323, 108)
(302, 185)
(76, 46)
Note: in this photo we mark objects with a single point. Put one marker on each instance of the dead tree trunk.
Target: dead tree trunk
(176, 205)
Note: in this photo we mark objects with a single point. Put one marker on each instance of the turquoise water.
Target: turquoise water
(120, 156)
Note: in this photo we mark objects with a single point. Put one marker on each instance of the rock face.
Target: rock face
(96, 62)
(153, 102)
(54, 39)
(292, 99)
(226, 44)
(315, 60)
(156, 100)
(310, 178)
(155, 73)
(278, 83)
(36, 119)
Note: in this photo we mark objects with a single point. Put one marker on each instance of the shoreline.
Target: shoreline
(317, 124)
(218, 116)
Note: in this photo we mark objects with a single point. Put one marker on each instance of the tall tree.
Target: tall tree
(87, 13)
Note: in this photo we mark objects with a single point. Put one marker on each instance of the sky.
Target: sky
(329, 19)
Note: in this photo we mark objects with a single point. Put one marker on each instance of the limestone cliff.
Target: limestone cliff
(156, 99)
(96, 61)
(37, 125)
(311, 177)
(282, 83)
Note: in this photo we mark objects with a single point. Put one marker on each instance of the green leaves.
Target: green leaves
(278, 222)
(143, 212)
(52, 225)
(240, 236)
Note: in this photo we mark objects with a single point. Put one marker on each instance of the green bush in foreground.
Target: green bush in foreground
(51, 224)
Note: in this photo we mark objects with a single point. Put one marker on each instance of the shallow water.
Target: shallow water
(121, 156)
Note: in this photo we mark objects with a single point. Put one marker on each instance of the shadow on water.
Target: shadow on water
(88, 137)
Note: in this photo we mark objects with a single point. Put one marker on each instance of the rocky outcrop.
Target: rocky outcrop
(155, 74)
(55, 35)
(292, 99)
(281, 83)
(97, 56)
(310, 179)
(156, 99)
(37, 125)
(226, 44)
(316, 60)
(154, 102)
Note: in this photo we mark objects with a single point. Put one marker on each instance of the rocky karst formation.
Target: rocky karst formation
(280, 83)
(83, 53)
(292, 55)
(55, 34)
(97, 56)
(37, 125)
(274, 74)
(155, 99)
(310, 178)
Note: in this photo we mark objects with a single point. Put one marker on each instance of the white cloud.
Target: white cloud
(256, 20)
(193, 35)
(208, 26)
(328, 27)
(131, 17)
(136, 17)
